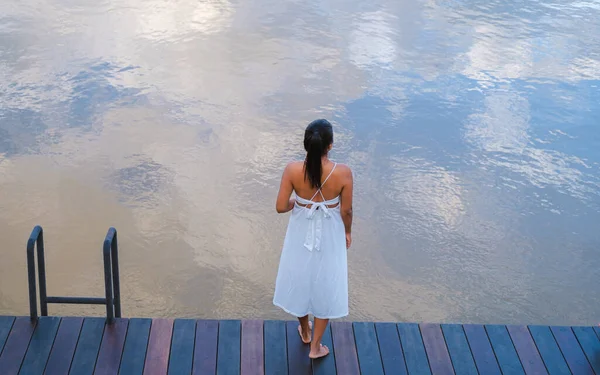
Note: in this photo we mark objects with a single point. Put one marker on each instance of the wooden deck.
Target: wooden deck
(60, 346)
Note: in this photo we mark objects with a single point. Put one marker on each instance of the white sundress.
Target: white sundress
(313, 270)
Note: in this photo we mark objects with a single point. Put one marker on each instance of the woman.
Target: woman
(313, 270)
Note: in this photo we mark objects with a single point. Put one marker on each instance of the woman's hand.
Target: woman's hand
(348, 240)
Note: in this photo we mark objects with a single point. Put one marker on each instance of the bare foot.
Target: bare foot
(308, 337)
(323, 351)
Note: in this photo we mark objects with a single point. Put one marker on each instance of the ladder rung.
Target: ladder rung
(77, 300)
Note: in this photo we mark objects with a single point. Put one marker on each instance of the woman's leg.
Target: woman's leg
(305, 333)
(316, 349)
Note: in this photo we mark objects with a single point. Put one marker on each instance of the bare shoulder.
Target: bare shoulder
(344, 170)
(295, 167)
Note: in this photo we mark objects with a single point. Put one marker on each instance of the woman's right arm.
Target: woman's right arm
(346, 204)
(284, 203)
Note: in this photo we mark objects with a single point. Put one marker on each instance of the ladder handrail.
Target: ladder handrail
(111, 275)
(36, 237)
(110, 253)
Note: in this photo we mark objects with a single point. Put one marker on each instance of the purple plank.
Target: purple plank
(16, 346)
(159, 347)
(63, 350)
(527, 351)
(205, 351)
(298, 361)
(252, 348)
(111, 349)
(346, 359)
(437, 352)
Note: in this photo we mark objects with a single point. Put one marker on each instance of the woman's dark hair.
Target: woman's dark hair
(317, 139)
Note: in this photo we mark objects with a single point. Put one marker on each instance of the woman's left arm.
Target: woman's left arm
(284, 203)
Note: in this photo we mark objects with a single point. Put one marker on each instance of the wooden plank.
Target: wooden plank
(275, 348)
(136, 344)
(414, 350)
(590, 344)
(325, 365)
(111, 349)
(205, 352)
(182, 347)
(549, 350)
(228, 354)
(64, 346)
(159, 346)
(505, 351)
(299, 363)
(527, 351)
(86, 353)
(40, 346)
(346, 359)
(482, 351)
(252, 348)
(6, 323)
(458, 348)
(16, 345)
(390, 348)
(367, 347)
(437, 352)
(567, 342)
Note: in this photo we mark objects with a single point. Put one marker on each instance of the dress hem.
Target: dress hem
(308, 313)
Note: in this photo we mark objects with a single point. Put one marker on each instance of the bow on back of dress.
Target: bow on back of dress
(315, 213)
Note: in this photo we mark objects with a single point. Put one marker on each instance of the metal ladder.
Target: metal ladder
(112, 299)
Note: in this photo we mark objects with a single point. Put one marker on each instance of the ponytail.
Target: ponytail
(317, 139)
(313, 168)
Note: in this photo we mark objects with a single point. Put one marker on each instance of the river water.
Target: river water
(472, 128)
